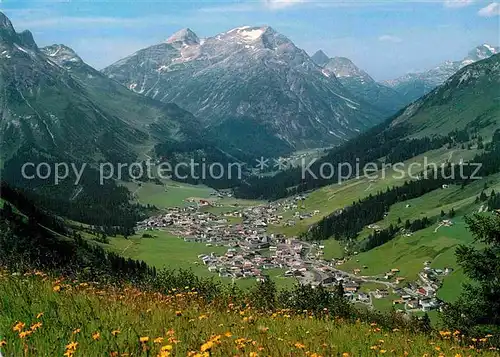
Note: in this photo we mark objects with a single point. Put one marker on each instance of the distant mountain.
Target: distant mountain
(414, 85)
(320, 58)
(251, 86)
(469, 99)
(360, 84)
(53, 101)
(457, 113)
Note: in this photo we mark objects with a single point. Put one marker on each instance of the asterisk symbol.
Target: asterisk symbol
(280, 164)
(262, 163)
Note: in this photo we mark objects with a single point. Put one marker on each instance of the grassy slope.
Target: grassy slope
(176, 194)
(171, 195)
(468, 97)
(408, 253)
(168, 251)
(76, 313)
(333, 197)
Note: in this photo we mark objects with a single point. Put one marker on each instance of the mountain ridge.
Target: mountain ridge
(54, 101)
(248, 75)
(360, 83)
(414, 85)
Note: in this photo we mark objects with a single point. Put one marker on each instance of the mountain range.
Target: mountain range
(360, 84)
(414, 85)
(464, 110)
(252, 92)
(53, 101)
(469, 99)
(250, 85)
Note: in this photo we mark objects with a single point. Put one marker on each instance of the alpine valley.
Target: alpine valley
(369, 224)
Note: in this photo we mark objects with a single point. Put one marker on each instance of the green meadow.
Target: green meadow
(168, 251)
(171, 194)
(336, 196)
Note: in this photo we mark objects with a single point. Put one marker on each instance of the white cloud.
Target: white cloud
(491, 10)
(280, 4)
(390, 38)
(457, 3)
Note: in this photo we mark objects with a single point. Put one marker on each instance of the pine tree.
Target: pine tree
(478, 308)
(339, 290)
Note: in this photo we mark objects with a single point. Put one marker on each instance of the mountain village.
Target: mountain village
(251, 251)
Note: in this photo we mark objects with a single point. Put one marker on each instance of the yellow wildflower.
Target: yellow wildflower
(72, 346)
(18, 327)
(36, 326)
(25, 333)
(207, 346)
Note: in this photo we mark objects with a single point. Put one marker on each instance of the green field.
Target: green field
(333, 249)
(168, 251)
(175, 194)
(171, 194)
(408, 254)
(333, 197)
(165, 251)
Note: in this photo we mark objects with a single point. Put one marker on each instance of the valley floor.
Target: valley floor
(405, 253)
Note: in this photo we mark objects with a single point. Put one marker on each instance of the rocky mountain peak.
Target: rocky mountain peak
(184, 37)
(7, 32)
(9, 37)
(27, 40)
(5, 23)
(344, 67)
(320, 58)
(482, 52)
(61, 54)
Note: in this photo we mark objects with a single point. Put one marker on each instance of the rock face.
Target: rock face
(414, 85)
(360, 84)
(320, 58)
(250, 85)
(53, 101)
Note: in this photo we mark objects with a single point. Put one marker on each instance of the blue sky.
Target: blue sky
(385, 38)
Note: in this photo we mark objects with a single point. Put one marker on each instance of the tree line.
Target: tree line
(380, 237)
(382, 141)
(345, 224)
